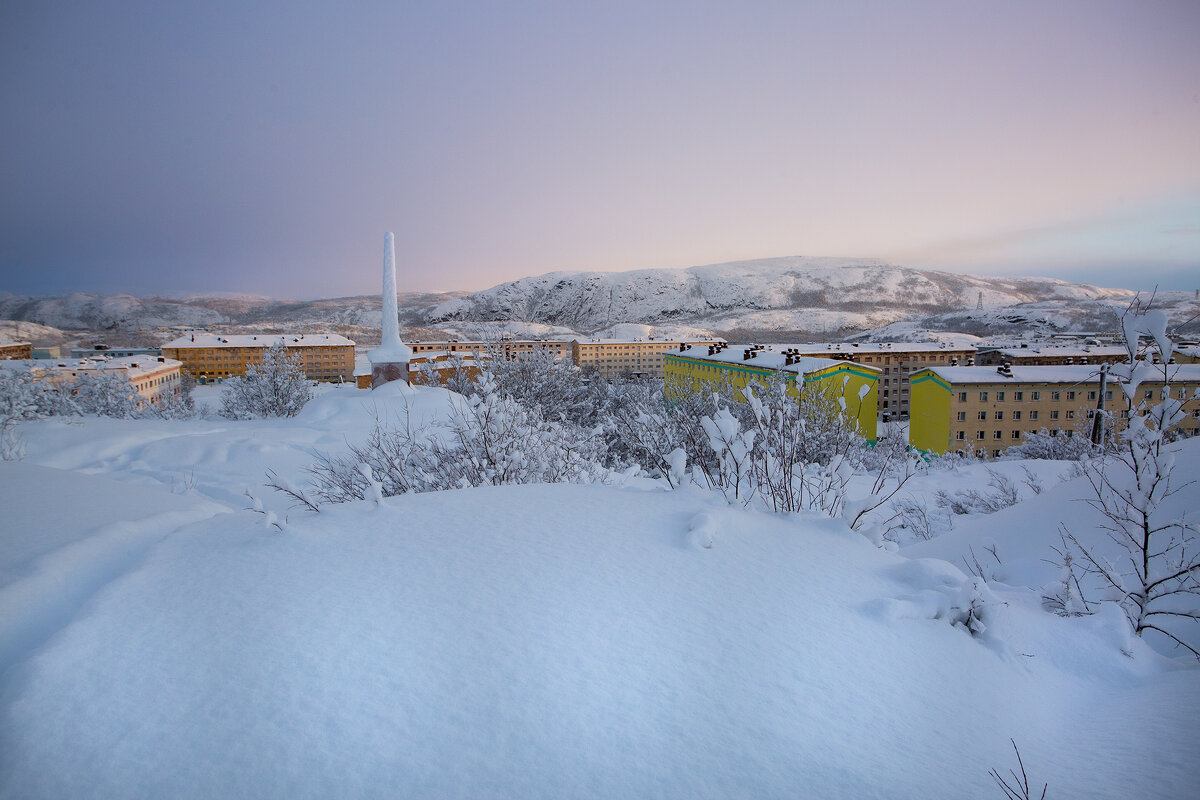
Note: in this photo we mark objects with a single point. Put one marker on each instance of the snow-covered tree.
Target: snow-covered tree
(276, 387)
(1156, 576)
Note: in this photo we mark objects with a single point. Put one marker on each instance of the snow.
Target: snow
(158, 639)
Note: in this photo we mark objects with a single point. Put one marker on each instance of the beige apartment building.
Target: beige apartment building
(510, 347)
(992, 408)
(16, 350)
(613, 358)
(213, 357)
(152, 377)
(1047, 355)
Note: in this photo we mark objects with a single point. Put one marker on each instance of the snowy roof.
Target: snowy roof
(133, 366)
(664, 342)
(1059, 373)
(1059, 351)
(767, 359)
(853, 348)
(260, 340)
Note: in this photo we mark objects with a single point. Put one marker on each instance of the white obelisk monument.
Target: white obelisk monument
(389, 361)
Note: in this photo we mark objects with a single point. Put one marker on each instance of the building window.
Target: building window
(1108, 394)
(1054, 414)
(961, 435)
(983, 397)
(1054, 431)
(999, 397)
(979, 434)
(999, 415)
(962, 416)
(1070, 415)
(962, 397)
(1016, 415)
(983, 415)
(1056, 396)
(1036, 395)
(1016, 434)
(1018, 395)
(1033, 414)
(995, 454)
(997, 434)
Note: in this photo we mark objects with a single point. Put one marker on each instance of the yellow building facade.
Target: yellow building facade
(615, 358)
(699, 368)
(990, 409)
(210, 357)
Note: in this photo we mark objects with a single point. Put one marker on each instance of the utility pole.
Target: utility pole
(1098, 416)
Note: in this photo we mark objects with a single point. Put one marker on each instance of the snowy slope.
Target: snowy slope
(577, 644)
(160, 640)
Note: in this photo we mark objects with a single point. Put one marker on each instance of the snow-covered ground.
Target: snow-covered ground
(158, 638)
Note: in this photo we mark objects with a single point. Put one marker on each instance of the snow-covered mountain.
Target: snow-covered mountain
(791, 297)
(794, 293)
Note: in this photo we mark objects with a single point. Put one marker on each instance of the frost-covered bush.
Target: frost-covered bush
(104, 395)
(1003, 493)
(276, 387)
(490, 440)
(1053, 446)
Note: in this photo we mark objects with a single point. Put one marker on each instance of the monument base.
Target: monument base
(388, 372)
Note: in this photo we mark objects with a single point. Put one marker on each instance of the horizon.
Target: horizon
(234, 148)
(182, 295)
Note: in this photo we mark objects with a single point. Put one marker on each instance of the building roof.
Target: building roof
(1059, 351)
(1058, 373)
(767, 359)
(259, 340)
(132, 366)
(874, 348)
(647, 340)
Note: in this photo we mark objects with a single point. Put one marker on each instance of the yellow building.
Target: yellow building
(695, 367)
(210, 357)
(896, 362)
(614, 358)
(992, 408)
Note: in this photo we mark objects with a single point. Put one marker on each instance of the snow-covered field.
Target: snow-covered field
(160, 639)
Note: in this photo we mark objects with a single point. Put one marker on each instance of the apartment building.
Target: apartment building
(704, 367)
(152, 377)
(1030, 355)
(992, 408)
(510, 347)
(613, 358)
(214, 357)
(16, 350)
(896, 362)
(440, 364)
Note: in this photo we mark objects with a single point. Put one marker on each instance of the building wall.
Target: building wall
(997, 415)
(897, 363)
(512, 347)
(684, 374)
(319, 362)
(929, 419)
(16, 350)
(614, 358)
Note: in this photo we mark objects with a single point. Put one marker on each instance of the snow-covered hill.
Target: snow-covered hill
(793, 293)
(159, 638)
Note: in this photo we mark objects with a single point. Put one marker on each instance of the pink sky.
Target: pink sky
(266, 147)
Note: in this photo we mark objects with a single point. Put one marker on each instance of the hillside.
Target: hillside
(791, 298)
(159, 638)
(781, 293)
